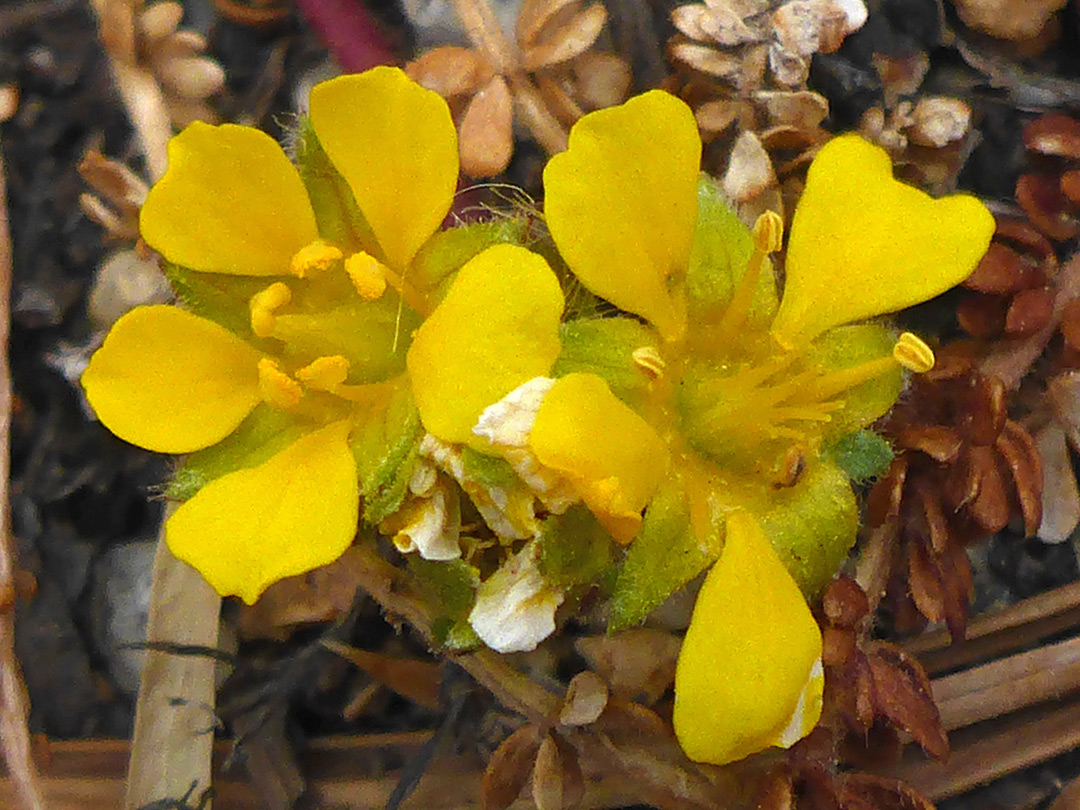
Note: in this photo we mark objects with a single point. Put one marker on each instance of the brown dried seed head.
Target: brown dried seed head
(750, 170)
(562, 43)
(509, 769)
(1070, 324)
(1054, 135)
(586, 697)
(804, 110)
(158, 20)
(603, 79)
(486, 132)
(1070, 185)
(450, 71)
(704, 58)
(844, 603)
(1046, 206)
(536, 15)
(982, 316)
(937, 121)
(557, 780)
(1029, 311)
(1001, 270)
(191, 77)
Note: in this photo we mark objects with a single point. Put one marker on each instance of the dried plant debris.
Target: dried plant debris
(964, 470)
(546, 79)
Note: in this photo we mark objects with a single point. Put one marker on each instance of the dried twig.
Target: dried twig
(14, 706)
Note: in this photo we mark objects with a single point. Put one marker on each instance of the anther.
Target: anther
(913, 354)
(368, 275)
(324, 373)
(648, 359)
(264, 304)
(314, 258)
(769, 232)
(276, 387)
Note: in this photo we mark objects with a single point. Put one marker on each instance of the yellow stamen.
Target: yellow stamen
(314, 258)
(649, 360)
(276, 387)
(768, 238)
(324, 373)
(264, 304)
(913, 354)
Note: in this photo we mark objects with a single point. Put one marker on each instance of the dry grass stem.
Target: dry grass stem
(1000, 632)
(172, 744)
(14, 706)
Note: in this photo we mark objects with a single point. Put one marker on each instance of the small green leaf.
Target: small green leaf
(446, 252)
(574, 549)
(661, 560)
(721, 250)
(261, 435)
(451, 586)
(605, 347)
(848, 346)
(862, 454)
(812, 525)
(338, 216)
(386, 448)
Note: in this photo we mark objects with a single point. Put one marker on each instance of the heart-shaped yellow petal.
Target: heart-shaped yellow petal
(231, 202)
(294, 512)
(395, 144)
(170, 381)
(621, 204)
(497, 327)
(863, 244)
(749, 673)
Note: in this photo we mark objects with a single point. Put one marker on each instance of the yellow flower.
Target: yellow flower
(318, 343)
(744, 394)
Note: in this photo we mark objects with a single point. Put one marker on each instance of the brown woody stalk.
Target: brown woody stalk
(14, 706)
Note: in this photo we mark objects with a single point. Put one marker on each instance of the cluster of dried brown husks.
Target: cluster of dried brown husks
(546, 79)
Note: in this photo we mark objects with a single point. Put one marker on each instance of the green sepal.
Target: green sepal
(663, 558)
(721, 250)
(219, 297)
(451, 587)
(339, 218)
(386, 446)
(605, 347)
(862, 454)
(264, 432)
(490, 471)
(573, 548)
(812, 525)
(445, 252)
(848, 346)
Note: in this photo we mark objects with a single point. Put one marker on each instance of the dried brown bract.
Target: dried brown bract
(119, 194)
(1050, 193)
(547, 78)
(1012, 291)
(963, 471)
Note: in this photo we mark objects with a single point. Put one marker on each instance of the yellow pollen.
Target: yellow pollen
(649, 360)
(264, 304)
(368, 275)
(314, 258)
(324, 373)
(276, 387)
(913, 354)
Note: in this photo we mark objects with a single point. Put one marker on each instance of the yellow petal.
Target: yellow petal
(497, 327)
(170, 381)
(230, 202)
(863, 244)
(294, 512)
(396, 146)
(613, 455)
(621, 204)
(749, 673)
